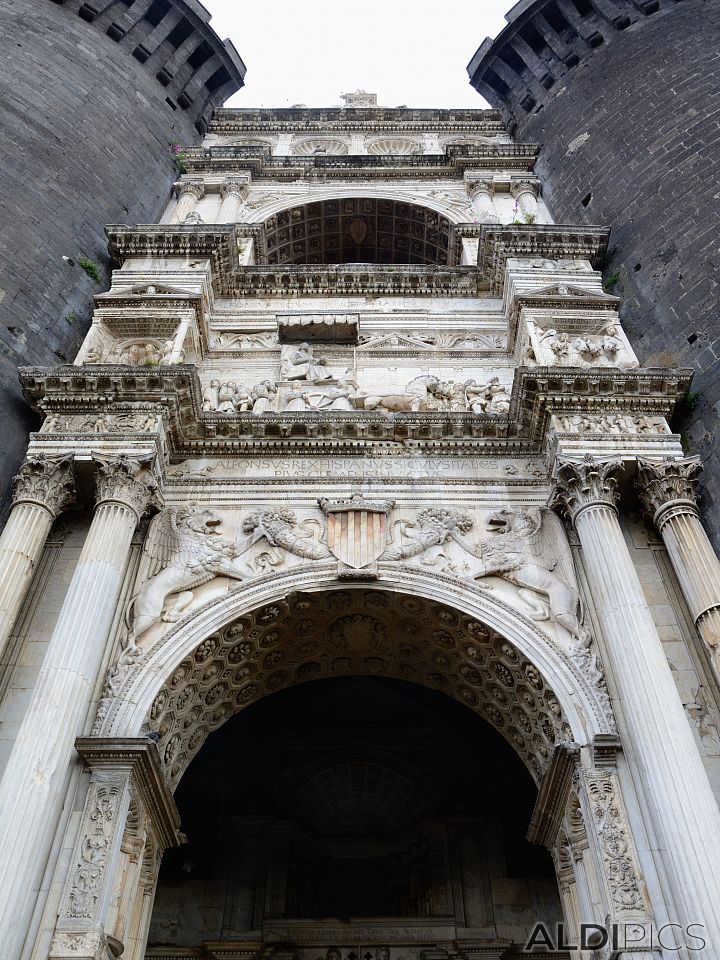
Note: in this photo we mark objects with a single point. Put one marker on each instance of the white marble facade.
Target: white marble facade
(451, 412)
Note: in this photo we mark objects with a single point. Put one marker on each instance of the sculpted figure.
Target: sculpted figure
(414, 398)
(211, 396)
(280, 527)
(491, 397)
(226, 397)
(296, 399)
(299, 363)
(263, 397)
(558, 344)
(530, 550)
(432, 526)
(338, 397)
(183, 549)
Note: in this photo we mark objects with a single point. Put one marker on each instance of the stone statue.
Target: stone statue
(416, 397)
(296, 400)
(299, 363)
(263, 397)
(211, 396)
(530, 550)
(339, 397)
(183, 549)
(491, 398)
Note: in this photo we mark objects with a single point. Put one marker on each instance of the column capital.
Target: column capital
(46, 481)
(476, 183)
(521, 185)
(666, 487)
(192, 188)
(585, 483)
(237, 185)
(127, 480)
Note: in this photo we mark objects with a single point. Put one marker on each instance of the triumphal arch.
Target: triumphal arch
(355, 598)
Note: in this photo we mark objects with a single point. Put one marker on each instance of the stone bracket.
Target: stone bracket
(552, 797)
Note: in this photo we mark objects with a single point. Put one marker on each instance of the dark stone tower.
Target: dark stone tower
(91, 94)
(624, 96)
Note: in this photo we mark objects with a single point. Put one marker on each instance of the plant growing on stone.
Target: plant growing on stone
(90, 268)
(179, 156)
(529, 217)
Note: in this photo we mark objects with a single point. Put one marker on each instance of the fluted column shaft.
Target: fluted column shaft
(481, 199)
(683, 808)
(189, 195)
(42, 489)
(33, 787)
(234, 194)
(525, 193)
(667, 493)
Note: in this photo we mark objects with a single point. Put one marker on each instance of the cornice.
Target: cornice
(220, 244)
(228, 121)
(552, 797)
(453, 163)
(540, 392)
(551, 241)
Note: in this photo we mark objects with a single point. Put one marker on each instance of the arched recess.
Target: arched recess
(453, 205)
(357, 230)
(290, 627)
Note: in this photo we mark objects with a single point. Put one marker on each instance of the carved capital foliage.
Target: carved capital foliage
(518, 187)
(127, 480)
(579, 484)
(192, 188)
(238, 185)
(477, 185)
(662, 482)
(48, 481)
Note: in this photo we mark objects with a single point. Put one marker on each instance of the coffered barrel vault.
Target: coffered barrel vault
(355, 600)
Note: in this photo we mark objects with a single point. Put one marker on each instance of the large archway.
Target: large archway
(285, 630)
(364, 802)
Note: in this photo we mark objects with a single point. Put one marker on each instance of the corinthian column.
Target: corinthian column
(233, 193)
(667, 494)
(189, 192)
(525, 193)
(480, 191)
(43, 488)
(33, 788)
(653, 723)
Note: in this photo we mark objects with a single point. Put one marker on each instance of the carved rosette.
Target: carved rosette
(47, 481)
(127, 480)
(667, 487)
(585, 483)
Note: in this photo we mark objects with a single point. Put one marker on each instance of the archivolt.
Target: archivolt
(304, 625)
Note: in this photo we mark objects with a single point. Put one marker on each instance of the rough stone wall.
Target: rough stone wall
(630, 137)
(85, 130)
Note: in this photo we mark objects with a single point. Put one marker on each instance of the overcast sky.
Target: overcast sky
(411, 52)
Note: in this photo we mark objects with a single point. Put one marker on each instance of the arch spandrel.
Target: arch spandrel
(429, 629)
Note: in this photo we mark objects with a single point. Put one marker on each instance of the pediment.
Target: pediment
(567, 291)
(148, 290)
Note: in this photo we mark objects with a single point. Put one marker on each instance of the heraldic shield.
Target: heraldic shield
(357, 528)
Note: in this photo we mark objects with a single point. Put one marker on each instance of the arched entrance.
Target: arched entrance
(370, 806)
(426, 629)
